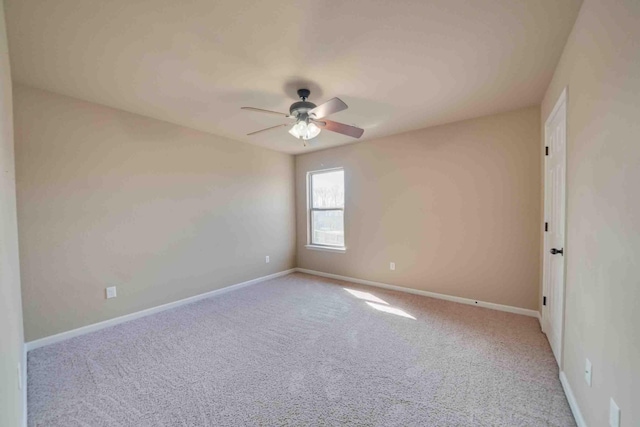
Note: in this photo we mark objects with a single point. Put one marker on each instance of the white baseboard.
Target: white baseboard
(499, 307)
(52, 339)
(31, 345)
(573, 404)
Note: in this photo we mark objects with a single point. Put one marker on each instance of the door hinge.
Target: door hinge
(546, 151)
(544, 300)
(546, 226)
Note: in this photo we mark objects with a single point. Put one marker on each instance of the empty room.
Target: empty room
(359, 213)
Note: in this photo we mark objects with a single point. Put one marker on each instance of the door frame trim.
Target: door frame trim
(561, 101)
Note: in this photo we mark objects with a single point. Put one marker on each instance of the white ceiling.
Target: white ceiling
(399, 65)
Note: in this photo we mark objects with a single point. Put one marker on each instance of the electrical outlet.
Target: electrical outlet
(111, 292)
(392, 266)
(587, 372)
(266, 259)
(614, 414)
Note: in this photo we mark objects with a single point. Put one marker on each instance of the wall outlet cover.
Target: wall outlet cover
(587, 372)
(111, 292)
(266, 259)
(392, 266)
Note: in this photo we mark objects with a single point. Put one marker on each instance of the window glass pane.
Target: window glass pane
(328, 189)
(327, 228)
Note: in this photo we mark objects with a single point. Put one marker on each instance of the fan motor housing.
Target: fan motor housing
(301, 107)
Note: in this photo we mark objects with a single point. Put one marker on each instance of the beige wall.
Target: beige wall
(601, 68)
(456, 207)
(162, 212)
(11, 338)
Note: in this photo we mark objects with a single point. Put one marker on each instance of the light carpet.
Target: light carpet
(303, 350)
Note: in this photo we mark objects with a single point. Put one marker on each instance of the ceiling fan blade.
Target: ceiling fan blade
(260, 110)
(352, 131)
(264, 130)
(331, 106)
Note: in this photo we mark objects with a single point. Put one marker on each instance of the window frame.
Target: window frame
(310, 209)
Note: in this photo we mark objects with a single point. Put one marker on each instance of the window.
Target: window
(326, 208)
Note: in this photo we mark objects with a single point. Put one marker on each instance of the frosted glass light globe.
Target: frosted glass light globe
(304, 130)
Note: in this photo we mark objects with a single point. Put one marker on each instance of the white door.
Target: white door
(554, 214)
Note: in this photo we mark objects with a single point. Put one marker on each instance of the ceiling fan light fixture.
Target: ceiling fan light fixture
(307, 115)
(304, 130)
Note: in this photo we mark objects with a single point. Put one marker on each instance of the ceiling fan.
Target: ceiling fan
(310, 118)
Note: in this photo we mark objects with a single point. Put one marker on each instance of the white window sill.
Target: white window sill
(326, 248)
